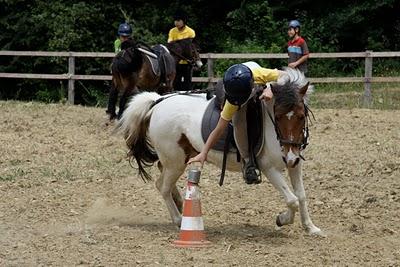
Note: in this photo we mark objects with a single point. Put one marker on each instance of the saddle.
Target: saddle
(208, 124)
(162, 65)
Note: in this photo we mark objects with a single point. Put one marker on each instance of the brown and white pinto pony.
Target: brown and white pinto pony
(167, 130)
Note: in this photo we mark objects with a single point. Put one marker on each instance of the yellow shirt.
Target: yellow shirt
(260, 76)
(175, 34)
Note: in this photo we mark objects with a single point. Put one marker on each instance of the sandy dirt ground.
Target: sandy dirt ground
(68, 197)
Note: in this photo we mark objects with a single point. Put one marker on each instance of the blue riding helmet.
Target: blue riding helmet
(238, 83)
(124, 29)
(294, 24)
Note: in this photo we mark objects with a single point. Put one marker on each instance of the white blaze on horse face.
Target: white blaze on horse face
(290, 114)
(291, 157)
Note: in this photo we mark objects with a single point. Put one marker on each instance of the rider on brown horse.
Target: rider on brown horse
(123, 41)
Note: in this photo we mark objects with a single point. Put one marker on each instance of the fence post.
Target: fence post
(367, 79)
(210, 70)
(71, 82)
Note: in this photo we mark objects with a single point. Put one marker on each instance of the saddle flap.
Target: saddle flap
(209, 122)
(255, 125)
(155, 66)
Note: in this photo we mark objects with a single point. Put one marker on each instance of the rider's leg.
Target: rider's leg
(178, 78)
(112, 102)
(187, 77)
(241, 138)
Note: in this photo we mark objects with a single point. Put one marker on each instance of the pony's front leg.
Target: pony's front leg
(278, 181)
(166, 185)
(296, 179)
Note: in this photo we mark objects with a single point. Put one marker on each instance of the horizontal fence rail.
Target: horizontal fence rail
(211, 57)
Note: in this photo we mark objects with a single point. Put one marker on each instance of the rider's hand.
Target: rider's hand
(267, 94)
(292, 65)
(199, 158)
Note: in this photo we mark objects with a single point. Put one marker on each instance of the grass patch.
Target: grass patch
(385, 96)
(16, 173)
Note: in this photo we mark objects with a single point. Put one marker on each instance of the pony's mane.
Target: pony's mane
(287, 94)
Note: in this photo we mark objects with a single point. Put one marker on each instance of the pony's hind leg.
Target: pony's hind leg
(166, 184)
(176, 195)
(278, 181)
(297, 183)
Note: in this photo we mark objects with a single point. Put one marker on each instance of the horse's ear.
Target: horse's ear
(303, 90)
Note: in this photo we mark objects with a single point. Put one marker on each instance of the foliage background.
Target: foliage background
(221, 26)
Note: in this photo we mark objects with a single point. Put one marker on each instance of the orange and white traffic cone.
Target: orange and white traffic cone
(192, 228)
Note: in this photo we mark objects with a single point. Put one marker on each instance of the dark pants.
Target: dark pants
(183, 79)
(112, 102)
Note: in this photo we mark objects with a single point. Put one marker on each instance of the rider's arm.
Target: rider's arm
(212, 139)
(226, 115)
(282, 78)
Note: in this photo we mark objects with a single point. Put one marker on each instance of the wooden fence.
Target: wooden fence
(211, 57)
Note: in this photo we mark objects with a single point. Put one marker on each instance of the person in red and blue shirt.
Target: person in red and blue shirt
(297, 47)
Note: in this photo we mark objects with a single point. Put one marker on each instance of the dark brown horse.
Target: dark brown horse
(185, 50)
(140, 68)
(134, 69)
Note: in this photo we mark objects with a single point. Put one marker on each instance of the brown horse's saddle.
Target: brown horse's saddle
(161, 66)
(254, 117)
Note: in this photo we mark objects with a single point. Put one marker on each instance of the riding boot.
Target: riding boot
(250, 174)
(253, 174)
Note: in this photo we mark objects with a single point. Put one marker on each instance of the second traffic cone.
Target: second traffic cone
(192, 228)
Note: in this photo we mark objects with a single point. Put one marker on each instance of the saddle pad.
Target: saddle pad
(208, 124)
(155, 67)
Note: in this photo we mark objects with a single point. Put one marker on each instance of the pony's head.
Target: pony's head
(291, 115)
(186, 49)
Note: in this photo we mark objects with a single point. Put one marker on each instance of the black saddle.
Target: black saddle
(164, 65)
(208, 124)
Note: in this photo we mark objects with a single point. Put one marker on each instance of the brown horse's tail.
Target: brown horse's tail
(134, 125)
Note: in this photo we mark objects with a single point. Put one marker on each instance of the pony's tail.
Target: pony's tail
(134, 125)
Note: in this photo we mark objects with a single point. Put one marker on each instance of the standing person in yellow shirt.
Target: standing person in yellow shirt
(183, 79)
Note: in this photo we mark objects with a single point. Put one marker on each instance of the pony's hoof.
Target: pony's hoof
(278, 222)
(317, 232)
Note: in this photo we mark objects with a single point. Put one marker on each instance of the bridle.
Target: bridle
(301, 145)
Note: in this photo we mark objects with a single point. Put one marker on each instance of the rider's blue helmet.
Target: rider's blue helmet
(294, 24)
(238, 83)
(124, 29)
